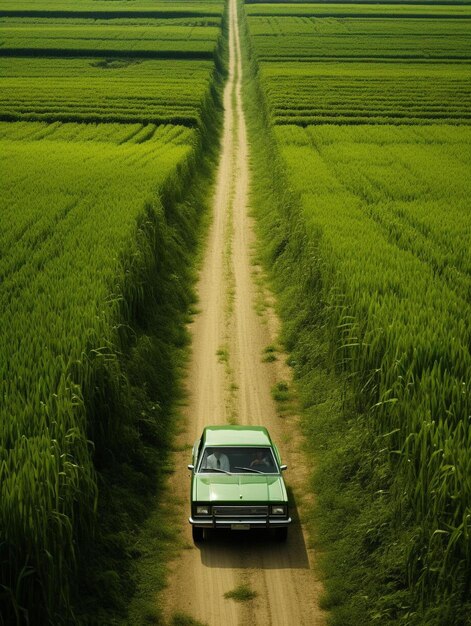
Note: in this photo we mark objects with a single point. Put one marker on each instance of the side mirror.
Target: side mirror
(191, 467)
(283, 467)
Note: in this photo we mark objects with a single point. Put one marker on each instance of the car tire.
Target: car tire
(198, 534)
(281, 534)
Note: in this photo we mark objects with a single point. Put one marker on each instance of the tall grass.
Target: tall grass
(377, 297)
(98, 240)
(72, 285)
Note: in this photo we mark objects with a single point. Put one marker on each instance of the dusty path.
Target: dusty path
(229, 382)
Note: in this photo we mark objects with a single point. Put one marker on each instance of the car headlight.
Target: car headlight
(203, 510)
(278, 510)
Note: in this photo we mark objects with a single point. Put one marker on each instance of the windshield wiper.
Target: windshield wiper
(215, 469)
(250, 469)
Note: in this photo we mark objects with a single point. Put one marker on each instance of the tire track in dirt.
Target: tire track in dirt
(227, 377)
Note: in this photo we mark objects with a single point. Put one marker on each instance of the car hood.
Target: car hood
(239, 488)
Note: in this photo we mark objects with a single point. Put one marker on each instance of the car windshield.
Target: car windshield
(238, 460)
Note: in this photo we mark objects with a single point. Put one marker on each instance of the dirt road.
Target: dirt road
(228, 381)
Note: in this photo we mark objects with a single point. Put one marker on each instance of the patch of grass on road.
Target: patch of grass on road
(242, 593)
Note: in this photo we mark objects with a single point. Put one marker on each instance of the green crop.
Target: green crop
(105, 90)
(283, 38)
(391, 204)
(71, 241)
(129, 69)
(362, 115)
(105, 37)
(398, 9)
(112, 9)
(85, 237)
(362, 70)
(377, 93)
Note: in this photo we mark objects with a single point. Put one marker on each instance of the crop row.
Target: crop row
(303, 26)
(102, 9)
(102, 36)
(286, 38)
(388, 208)
(396, 10)
(363, 69)
(113, 29)
(97, 89)
(73, 197)
(381, 250)
(118, 134)
(366, 93)
(87, 251)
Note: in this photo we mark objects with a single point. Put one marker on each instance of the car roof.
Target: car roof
(236, 435)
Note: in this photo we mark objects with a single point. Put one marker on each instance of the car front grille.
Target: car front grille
(240, 511)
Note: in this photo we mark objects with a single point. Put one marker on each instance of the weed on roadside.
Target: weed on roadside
(269, 354)
(280, 392)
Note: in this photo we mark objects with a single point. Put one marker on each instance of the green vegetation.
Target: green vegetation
(389, 211)
(106, 90)
(146, 37)
(110, 70)
(402, 8)
(280, 391)
(242, 593)
(98, 232)
(112, 9)
(367, 231)
(181, 619)
(367, 93)
(223, 354)
(269, 354)
(77, 396)
(368, 69)
(284, 39)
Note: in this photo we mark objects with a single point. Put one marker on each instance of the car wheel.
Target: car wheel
(281, 534)
(198, 534)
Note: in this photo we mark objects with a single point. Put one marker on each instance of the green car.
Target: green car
(236, 482)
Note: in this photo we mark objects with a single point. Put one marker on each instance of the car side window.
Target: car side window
(207, 462)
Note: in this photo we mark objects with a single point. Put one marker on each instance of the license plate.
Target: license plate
(240, 526)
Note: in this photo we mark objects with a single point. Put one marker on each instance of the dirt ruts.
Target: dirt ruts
(229, 381)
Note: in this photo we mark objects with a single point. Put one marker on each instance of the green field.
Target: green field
(113, 8)
(108, 36)
(104, 123)
(369, 108)
(363, 69)
(282, 39)
(363, 93)
(109, 120)
(106, 90)
(71, 204)
(396, 10)
(85, 238)
(131, 69)
(187, 37)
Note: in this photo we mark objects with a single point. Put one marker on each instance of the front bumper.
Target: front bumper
(223, 522)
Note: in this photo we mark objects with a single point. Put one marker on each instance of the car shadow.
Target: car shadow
(255, 548)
